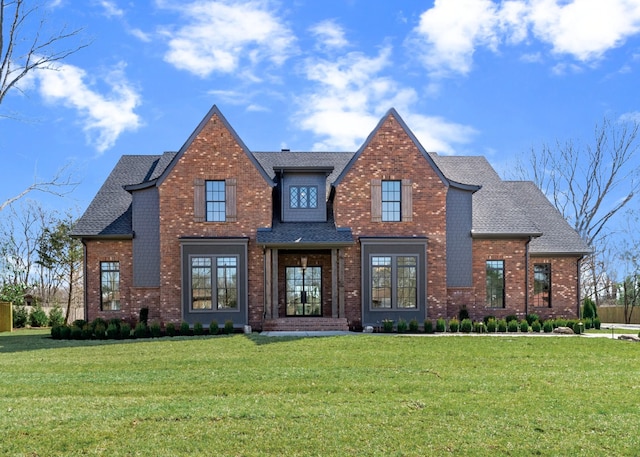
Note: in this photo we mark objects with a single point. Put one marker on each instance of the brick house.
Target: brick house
(322, 240)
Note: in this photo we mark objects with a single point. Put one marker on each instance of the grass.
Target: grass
(352, 395)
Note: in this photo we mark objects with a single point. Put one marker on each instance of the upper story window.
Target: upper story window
(391, 201)
(303, 197)
(215, 201)
(109, 286)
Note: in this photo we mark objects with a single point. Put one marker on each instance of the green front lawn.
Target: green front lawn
(373, 395)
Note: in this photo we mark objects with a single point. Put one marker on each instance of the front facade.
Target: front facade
(333, 240)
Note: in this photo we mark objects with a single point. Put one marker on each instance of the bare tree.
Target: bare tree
(590, 184)
(26, 46)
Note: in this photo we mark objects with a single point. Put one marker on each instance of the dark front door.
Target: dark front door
(304, 288)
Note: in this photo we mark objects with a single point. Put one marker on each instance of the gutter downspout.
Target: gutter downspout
(85, 279)
(579, 282)
(526, 277)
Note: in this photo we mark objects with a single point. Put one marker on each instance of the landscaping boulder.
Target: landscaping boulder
(629, 338)
(563, 331)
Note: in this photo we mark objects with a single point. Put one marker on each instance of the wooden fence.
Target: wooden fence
(615, 314)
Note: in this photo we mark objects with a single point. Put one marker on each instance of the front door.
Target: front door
(304, 288)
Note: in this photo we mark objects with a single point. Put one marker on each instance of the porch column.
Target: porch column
(268, 299)
(274, 283)
(334, 283)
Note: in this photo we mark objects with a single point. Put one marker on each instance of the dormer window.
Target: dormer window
(303, 197)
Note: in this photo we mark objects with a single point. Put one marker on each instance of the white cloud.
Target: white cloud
(350, 96)
(104, 117)
(226, 36)
(329, 35)
(452, 30)
(111, 9)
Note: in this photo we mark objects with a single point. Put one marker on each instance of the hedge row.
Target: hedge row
(115, 329)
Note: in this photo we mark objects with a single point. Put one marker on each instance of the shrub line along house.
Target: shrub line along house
(322, 240)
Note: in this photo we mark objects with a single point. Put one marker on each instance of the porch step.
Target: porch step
(301, 324)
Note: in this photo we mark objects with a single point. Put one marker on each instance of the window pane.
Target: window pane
(313, 197)
(407, 282)
(201, 283)
(216, 201)
(381, 282)
(110, 286)
(293, 196)
(227, 273)
(542, 285)
(495, 283)
(303, 197)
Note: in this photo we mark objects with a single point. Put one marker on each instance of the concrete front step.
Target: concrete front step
(301, 324)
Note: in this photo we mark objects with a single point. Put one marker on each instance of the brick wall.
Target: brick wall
(392, 155)
(214, 154)
(564, 296)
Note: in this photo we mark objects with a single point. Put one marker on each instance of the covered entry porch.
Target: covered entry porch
(304, 277)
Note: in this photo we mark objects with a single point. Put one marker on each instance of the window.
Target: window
(226, 284)
(110, 286)
(391, 201)
(542, 285)
(215, 201)
(495, 283)
(303, 197)
(394, 282)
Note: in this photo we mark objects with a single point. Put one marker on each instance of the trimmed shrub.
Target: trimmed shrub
(65, 332)
(228, 327)
(198, 329)
(596, 323)
(125, 330)
(441, 325)
(492, 325)
(502, 326)
(486, 319)
(547, 327)
(79, 323)
(463, 313)
(56, 332)
(511, 317)
(512, 326)
(170, 329)
(86, 333)
(402, 326)
(387, 325)
(454, 325)
(588, 323)
(428, 326)
(113, 331)
(531, 318)
(20, 316)
(56, 317)
(466, 326)
(76, 332)
(536, 327)
(141, 330)
(185, 329)
(38, 317)
(560, 322)
(100, 331)
(479, 327)
(413, 325)
(155, 329)
(589, 309)
(98, 321)
(524, 326)
(214, 328)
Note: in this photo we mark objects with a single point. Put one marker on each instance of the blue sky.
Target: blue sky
(469, 77)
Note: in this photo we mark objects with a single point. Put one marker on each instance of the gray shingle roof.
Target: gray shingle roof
(109, 214)
(304, 234)
(283, 159)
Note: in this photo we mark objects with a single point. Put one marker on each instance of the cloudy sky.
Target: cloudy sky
(471, 77)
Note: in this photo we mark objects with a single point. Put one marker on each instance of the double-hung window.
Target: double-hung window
(215, 201)
(495, 284)
(393, 282)
(109, 286)
(542, 285)
(391, 201)
(214, 283)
